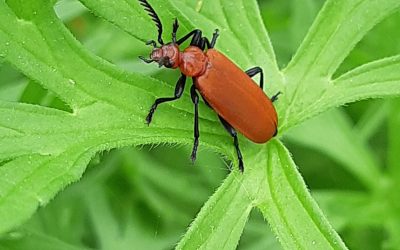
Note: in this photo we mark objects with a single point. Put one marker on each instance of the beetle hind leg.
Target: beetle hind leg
(195, 100)
(233, 133)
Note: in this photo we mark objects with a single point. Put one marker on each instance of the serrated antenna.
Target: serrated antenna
(155, 18)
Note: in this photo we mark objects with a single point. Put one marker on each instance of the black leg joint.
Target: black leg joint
(233, 133)
(204, 43)
(179, 88)
(254, 71)
(196, 36)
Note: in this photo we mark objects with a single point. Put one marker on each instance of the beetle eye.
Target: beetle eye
(165, 61)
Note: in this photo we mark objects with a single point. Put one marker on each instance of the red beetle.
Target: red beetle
(240, 104)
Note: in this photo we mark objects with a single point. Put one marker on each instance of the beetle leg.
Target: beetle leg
(152, 43)
(254, 71)
(175, 27)
(204, 42)
(180, 86)
(145, 59)
(195, 40)
(233, 133)
(195, 100)
(275, 97)
(214, 39)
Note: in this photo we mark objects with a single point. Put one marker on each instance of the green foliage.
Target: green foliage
(94, 105)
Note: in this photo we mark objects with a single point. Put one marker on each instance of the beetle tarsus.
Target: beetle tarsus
(145, 59)
(239, 154)
(275, 97)
(195, 100)
(149, 117)
(175, 27)
(152, 43)
(193, 156)
(241, 167)
(214, 38)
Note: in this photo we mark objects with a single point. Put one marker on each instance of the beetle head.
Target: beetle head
(167, 55)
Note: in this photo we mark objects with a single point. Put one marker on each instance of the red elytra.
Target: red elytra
(240, 104)
(243, 104)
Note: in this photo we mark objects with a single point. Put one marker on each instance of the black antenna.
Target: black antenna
(154, 17)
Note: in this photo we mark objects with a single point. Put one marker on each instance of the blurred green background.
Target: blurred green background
(145, 198)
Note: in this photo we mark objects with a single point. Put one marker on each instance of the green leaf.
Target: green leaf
(275, 186)
(394, 140)
(220, 222)
(42, 150)
(34, 240)
(107, 229)
(67, 10)
(303, 12)
(43, 142)
(372, 120)
(12, 84)
(332, 134)
(340, 25)
(337, 29)
(289, 208)
(373, 80)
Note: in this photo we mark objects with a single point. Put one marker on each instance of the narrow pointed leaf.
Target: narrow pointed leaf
(289, 208)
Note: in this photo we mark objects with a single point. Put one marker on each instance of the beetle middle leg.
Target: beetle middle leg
(254, 71)
(275, 97)
(195, 100)
(233, 133)
(180, 86)
(257, 70)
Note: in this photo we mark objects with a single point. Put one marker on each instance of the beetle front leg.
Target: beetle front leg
(204, 42)
(233, 133)
(214, 39)
(180, 86)
(195, 40)
(175, 27)
(195, 100)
